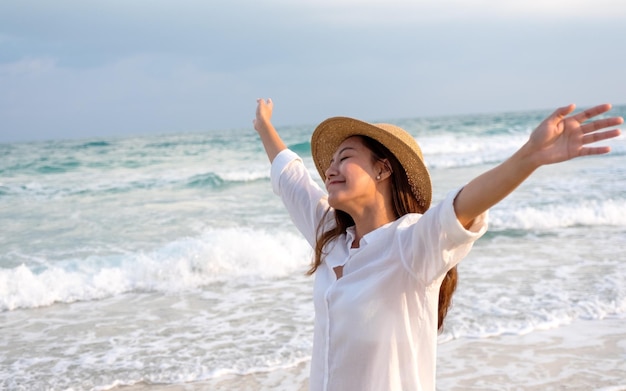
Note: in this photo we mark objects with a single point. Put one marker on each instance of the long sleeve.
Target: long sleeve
(305, 201)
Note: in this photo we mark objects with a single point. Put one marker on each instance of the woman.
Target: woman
(385, 262)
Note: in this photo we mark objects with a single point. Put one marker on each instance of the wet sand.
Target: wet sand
(583, 356)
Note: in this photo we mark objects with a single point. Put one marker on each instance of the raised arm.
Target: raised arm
(272, 142)
(558, 138)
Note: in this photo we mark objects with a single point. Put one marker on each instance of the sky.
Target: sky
(88, 69)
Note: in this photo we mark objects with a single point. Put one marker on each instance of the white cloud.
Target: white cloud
(152, 67)
(386, 12)
(27, 67)
(134, 95)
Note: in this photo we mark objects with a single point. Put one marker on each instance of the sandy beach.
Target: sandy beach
(583, 356)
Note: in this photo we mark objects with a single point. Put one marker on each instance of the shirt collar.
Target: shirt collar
(368, 237)
(350, 235)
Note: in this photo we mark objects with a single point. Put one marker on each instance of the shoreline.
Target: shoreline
(582, 356)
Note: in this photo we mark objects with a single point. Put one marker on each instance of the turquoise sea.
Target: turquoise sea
(167, 260)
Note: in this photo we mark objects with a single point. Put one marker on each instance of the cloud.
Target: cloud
(430, 10)
(133, 95)
(30, 67)
(87, 68)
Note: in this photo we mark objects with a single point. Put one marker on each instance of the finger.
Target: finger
(599, 136)
(594, 151)
(592, 112)
(561, 112)
(601, 124)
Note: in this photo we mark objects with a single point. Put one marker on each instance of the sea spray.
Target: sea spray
(187, 263)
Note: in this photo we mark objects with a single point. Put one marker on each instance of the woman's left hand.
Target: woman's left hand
(559, 137)
(562, 137)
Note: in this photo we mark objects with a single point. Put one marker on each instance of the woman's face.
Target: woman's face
(351, 177)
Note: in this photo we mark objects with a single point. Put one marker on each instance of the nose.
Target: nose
(331, 170)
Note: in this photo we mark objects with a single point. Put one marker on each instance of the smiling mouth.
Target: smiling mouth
(334, 183)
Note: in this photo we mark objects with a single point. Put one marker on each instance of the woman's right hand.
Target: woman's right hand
(263, 125)
(263, 114)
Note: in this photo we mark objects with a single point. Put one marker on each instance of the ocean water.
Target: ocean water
(168, 260)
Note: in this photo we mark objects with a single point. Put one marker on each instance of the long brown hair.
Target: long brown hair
(404, 202)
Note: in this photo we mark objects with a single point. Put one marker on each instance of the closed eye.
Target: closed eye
(341, 159)
(341, 154)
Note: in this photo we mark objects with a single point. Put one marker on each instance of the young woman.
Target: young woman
(385, 262)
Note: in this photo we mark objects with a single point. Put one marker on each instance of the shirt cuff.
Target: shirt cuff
(454, 227)
(280, 162)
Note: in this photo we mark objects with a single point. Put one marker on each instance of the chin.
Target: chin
(336, 203)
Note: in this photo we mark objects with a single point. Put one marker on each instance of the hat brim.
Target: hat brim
(332, 132)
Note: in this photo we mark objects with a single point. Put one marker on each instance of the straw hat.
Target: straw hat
(333, 131)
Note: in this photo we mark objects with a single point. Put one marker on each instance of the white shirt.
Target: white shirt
(376, 326)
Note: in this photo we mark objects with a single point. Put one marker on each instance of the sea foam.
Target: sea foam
(548, 217)
(186, 263)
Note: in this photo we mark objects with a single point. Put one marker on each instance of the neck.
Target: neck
(371, 215)
(368, 220)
